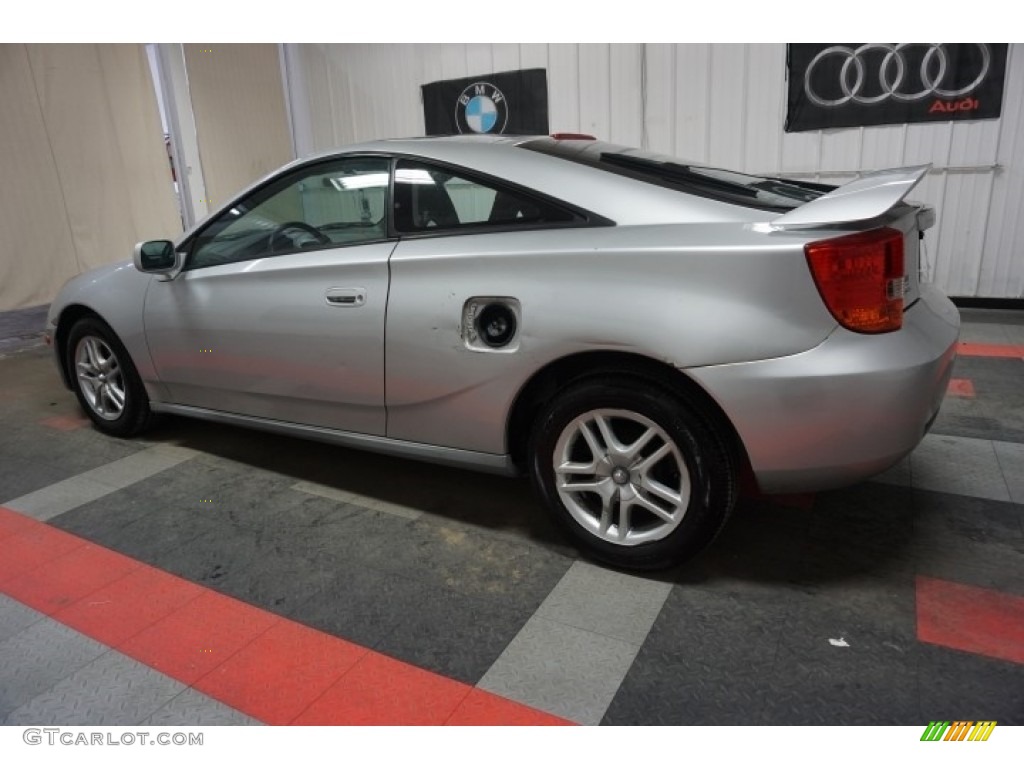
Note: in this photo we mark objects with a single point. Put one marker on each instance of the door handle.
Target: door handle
(345, 297)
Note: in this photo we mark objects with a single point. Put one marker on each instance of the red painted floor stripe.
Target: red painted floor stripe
(970, 619)
(383, 691)
(34, 545)
(970, 349)
(274, 669)
(482, 708)
(60, 583)
(198, 637)
(960, 388)
(112, 614)
(309, 662)
(12, 522)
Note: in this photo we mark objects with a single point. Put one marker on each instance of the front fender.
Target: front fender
(116, 293)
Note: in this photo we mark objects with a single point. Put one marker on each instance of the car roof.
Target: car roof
(616, 198)
(422, 144)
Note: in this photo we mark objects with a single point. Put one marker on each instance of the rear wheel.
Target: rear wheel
(105, 380)
(633, 472)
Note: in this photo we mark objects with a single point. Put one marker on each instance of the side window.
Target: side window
(429, 198)
(331, 204)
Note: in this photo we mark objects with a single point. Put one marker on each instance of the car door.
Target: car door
(279, 311)
(469, 243)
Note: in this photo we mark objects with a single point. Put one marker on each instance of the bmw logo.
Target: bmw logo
(481, 108)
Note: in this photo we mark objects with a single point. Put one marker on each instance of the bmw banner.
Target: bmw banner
(507, 102)
(835, 85)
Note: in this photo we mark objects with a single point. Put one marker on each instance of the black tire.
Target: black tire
(98, 398)
(632, 408)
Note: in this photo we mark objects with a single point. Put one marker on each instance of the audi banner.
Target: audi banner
(504, 102)
(836, 85)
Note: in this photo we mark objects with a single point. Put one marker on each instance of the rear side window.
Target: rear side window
(430, 198)
(762, 192)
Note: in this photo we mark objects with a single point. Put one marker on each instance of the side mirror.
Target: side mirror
(156, 257)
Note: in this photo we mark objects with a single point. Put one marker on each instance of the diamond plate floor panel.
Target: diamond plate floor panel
(112, 690)
(193, 708)
(37, 658)
(14, 617)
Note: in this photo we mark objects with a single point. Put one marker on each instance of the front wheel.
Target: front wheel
(633, 472)
(105, 380)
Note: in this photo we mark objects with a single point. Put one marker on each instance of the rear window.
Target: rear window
(763, 192)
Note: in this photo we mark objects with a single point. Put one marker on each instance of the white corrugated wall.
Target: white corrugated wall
(722, 104)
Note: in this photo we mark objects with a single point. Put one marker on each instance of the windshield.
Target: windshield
(766, 192)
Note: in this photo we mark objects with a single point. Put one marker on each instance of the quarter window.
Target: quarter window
(429, 198)
(328, 205)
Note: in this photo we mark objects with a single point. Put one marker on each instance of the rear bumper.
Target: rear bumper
(846, 410)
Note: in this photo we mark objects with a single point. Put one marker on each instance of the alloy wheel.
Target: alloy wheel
(100, 377)
(621, 476)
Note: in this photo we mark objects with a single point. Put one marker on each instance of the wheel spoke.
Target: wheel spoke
(635, 448)
(597, 452)
(611, 442)
(623, 523)
(577, 468)
(116, 396)
(100, 397)
(661, 491)
(607, 503)
(646, 463)
(584, 486)
(89, 380)
(654, 509)
(92, 350)
(89, 387)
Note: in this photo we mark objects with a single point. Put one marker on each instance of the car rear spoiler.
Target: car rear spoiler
(867, 197)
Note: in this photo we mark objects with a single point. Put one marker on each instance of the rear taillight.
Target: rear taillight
(861, 279)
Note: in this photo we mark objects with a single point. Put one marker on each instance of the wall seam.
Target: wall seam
(992, 183)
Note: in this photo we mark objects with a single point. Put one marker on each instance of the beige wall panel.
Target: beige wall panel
(37, 254)
(93, 165)
(82, 156)
(241, 121)
(136, 119)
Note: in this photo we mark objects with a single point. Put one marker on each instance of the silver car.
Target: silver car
(636, 333)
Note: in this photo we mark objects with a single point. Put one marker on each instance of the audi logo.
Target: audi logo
(894, 76)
